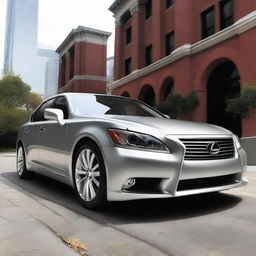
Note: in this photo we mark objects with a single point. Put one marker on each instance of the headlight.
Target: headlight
(136, 140)
(237, 142)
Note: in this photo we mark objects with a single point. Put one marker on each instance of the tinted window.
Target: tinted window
(169, 43)
(128, 66)
(128, 35)
(61, 103)
(148, 55)
(208, 22)
(39, 114)
(169, 3)
(148, 11)
(226, 13)
(110, 105)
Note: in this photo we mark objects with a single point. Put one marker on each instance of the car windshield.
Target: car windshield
(110, 105)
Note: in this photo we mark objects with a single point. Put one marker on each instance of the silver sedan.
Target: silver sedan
(111, 148)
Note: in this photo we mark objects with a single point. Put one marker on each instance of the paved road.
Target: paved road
(208, 225)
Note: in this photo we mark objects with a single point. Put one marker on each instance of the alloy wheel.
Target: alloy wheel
(87, 175)
(20, 161)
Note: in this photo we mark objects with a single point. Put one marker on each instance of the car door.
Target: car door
(32, 132)
(52, 140)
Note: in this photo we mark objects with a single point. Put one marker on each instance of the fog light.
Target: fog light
(129, 183)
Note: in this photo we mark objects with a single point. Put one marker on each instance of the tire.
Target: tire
(21, 166)
(89, 176)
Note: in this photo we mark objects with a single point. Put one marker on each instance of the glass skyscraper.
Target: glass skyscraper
(21, 51)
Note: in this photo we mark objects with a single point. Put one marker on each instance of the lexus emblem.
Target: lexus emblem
(213, 148)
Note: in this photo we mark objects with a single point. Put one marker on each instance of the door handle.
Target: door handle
(26, 130)
(42, 129)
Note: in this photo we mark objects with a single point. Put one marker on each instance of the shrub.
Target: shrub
(175, 104)
(244, 105)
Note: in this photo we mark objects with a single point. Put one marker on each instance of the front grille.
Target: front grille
(208, 182)
(198, 149)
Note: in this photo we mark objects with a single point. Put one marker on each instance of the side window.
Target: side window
(39, 114)
(61, 103)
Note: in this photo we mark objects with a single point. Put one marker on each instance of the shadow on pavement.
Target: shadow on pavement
(141, 211)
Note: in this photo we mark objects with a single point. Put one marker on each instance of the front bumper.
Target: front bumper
(169, 169)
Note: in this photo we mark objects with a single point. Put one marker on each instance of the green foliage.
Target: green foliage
(16, 104)
(11, 119)
(244, 105)
(175, 104)
(13, 91)
(33, 100)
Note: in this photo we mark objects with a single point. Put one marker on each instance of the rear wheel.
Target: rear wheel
(89, 176)
(22, 171)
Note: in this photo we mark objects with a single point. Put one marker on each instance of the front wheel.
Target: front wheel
(89, 176)
(22, 171)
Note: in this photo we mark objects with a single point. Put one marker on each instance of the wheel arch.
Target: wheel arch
(79, 143)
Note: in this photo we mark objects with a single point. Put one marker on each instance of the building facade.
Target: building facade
(83, 61)
(205, 46)
(22, 55)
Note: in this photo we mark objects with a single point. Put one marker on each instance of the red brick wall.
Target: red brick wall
(192, 73)
(183, 18)
(90, 60)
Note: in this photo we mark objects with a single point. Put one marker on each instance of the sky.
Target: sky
(58, 17)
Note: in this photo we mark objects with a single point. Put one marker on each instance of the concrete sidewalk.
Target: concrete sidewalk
(21, 233)
(37, 227)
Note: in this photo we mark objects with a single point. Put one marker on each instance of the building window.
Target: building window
(148, 54)
(128, 35)
(208, 22)
(226, 13)
(148, 9)
(72, 61)
(126, 17)
(169, 3)
(128, 66)
(169, 43)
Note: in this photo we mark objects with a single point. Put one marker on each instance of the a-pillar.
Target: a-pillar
(137, 19)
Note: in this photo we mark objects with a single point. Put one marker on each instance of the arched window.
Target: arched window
(125, 94)
(166, 88)
(147, 95)
(223, 85)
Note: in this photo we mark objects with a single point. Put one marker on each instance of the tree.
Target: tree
(16, 104)
(175, 104)
(13, 91)
(33, 100)
(245, 104)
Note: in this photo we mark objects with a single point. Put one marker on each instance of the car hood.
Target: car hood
(171, 126)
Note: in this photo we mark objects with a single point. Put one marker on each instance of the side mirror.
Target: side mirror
(54, 114)
(166, 116)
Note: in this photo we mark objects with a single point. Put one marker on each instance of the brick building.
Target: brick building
(82, 66)
(206, 46)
